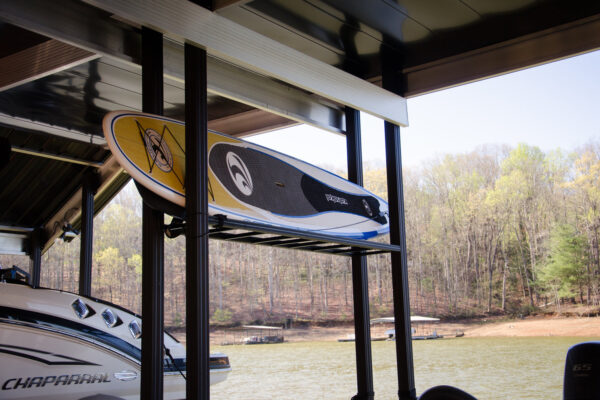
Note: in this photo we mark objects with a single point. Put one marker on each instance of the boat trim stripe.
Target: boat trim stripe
(97, 337)
(26, 353)
(71, 328)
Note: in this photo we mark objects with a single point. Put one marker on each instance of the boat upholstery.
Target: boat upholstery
(444, 392)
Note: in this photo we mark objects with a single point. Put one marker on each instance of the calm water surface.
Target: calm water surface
(488, 368)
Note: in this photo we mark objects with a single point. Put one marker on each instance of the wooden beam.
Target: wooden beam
(70, 212)
(249, 122)
(40, 60)
(97, 32)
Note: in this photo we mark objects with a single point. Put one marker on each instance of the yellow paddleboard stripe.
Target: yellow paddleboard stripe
(146, 140)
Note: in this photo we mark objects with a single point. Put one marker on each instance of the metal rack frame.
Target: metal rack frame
(267, 235)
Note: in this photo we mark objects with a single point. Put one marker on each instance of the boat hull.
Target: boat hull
(47, 351)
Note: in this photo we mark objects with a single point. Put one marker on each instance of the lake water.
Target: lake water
(487, 368)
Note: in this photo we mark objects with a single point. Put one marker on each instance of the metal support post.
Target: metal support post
(88, 190)
(35, 257)
(152, 235)
(196, 206)
(404, 355)
(360, 284)
(394, 81)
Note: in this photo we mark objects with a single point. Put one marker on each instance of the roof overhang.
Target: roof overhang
(271, 64)
(95, 34)
(565, 40)
(225, 40)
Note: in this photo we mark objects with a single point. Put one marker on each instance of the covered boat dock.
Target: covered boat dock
(257, 334)
(422, 328)
(240, 67)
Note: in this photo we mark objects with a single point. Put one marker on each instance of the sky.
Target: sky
(554, 105)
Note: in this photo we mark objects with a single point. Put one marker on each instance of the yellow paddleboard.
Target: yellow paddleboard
(246, 181)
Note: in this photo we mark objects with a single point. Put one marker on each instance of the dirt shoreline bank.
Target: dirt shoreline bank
(533, 326)
(537, 326)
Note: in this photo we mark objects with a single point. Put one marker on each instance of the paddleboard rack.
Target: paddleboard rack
(267, 235)
(222, 228)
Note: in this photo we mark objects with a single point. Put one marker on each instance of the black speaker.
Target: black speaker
(582, 372)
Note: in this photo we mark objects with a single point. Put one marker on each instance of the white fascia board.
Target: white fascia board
(13, 243)
(227, 80)
(226, 40)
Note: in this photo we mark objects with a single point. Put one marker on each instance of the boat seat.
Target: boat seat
(582, 372)
(444, 392)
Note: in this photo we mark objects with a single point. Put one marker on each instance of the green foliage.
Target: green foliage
(109, 261)
(498, 226)
(222, 316)
(524, 158)
(377, 310)
(135, 263)
(178, 320)
(586, 186)
(427, 283)
(564, 271)
(517, 309)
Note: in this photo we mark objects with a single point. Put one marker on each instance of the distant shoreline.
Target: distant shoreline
(537, 326)
(528, 327)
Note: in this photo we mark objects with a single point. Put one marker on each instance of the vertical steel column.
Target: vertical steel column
(360, 283)
(393, 81)
(35, 257)
(196, 207)
(404, 355)
(88, 189)
(152, 235)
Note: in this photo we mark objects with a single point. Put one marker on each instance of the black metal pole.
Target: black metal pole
(360, 283)
(88, 189)
(196, 206)
(404, 355)
(152, 235)
(35, 257)
(394, 81)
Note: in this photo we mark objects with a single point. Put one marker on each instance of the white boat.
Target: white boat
(59, 345)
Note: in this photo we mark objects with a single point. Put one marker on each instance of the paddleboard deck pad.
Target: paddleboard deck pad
(245, 181)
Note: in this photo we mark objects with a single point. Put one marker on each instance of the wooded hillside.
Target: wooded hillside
(496, 230)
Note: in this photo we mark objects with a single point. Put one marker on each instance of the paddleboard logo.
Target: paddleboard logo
(159, 152)
(367, 207)
(239, 173)
(336, 199)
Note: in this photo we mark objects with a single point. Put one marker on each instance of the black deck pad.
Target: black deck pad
(271, 184)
